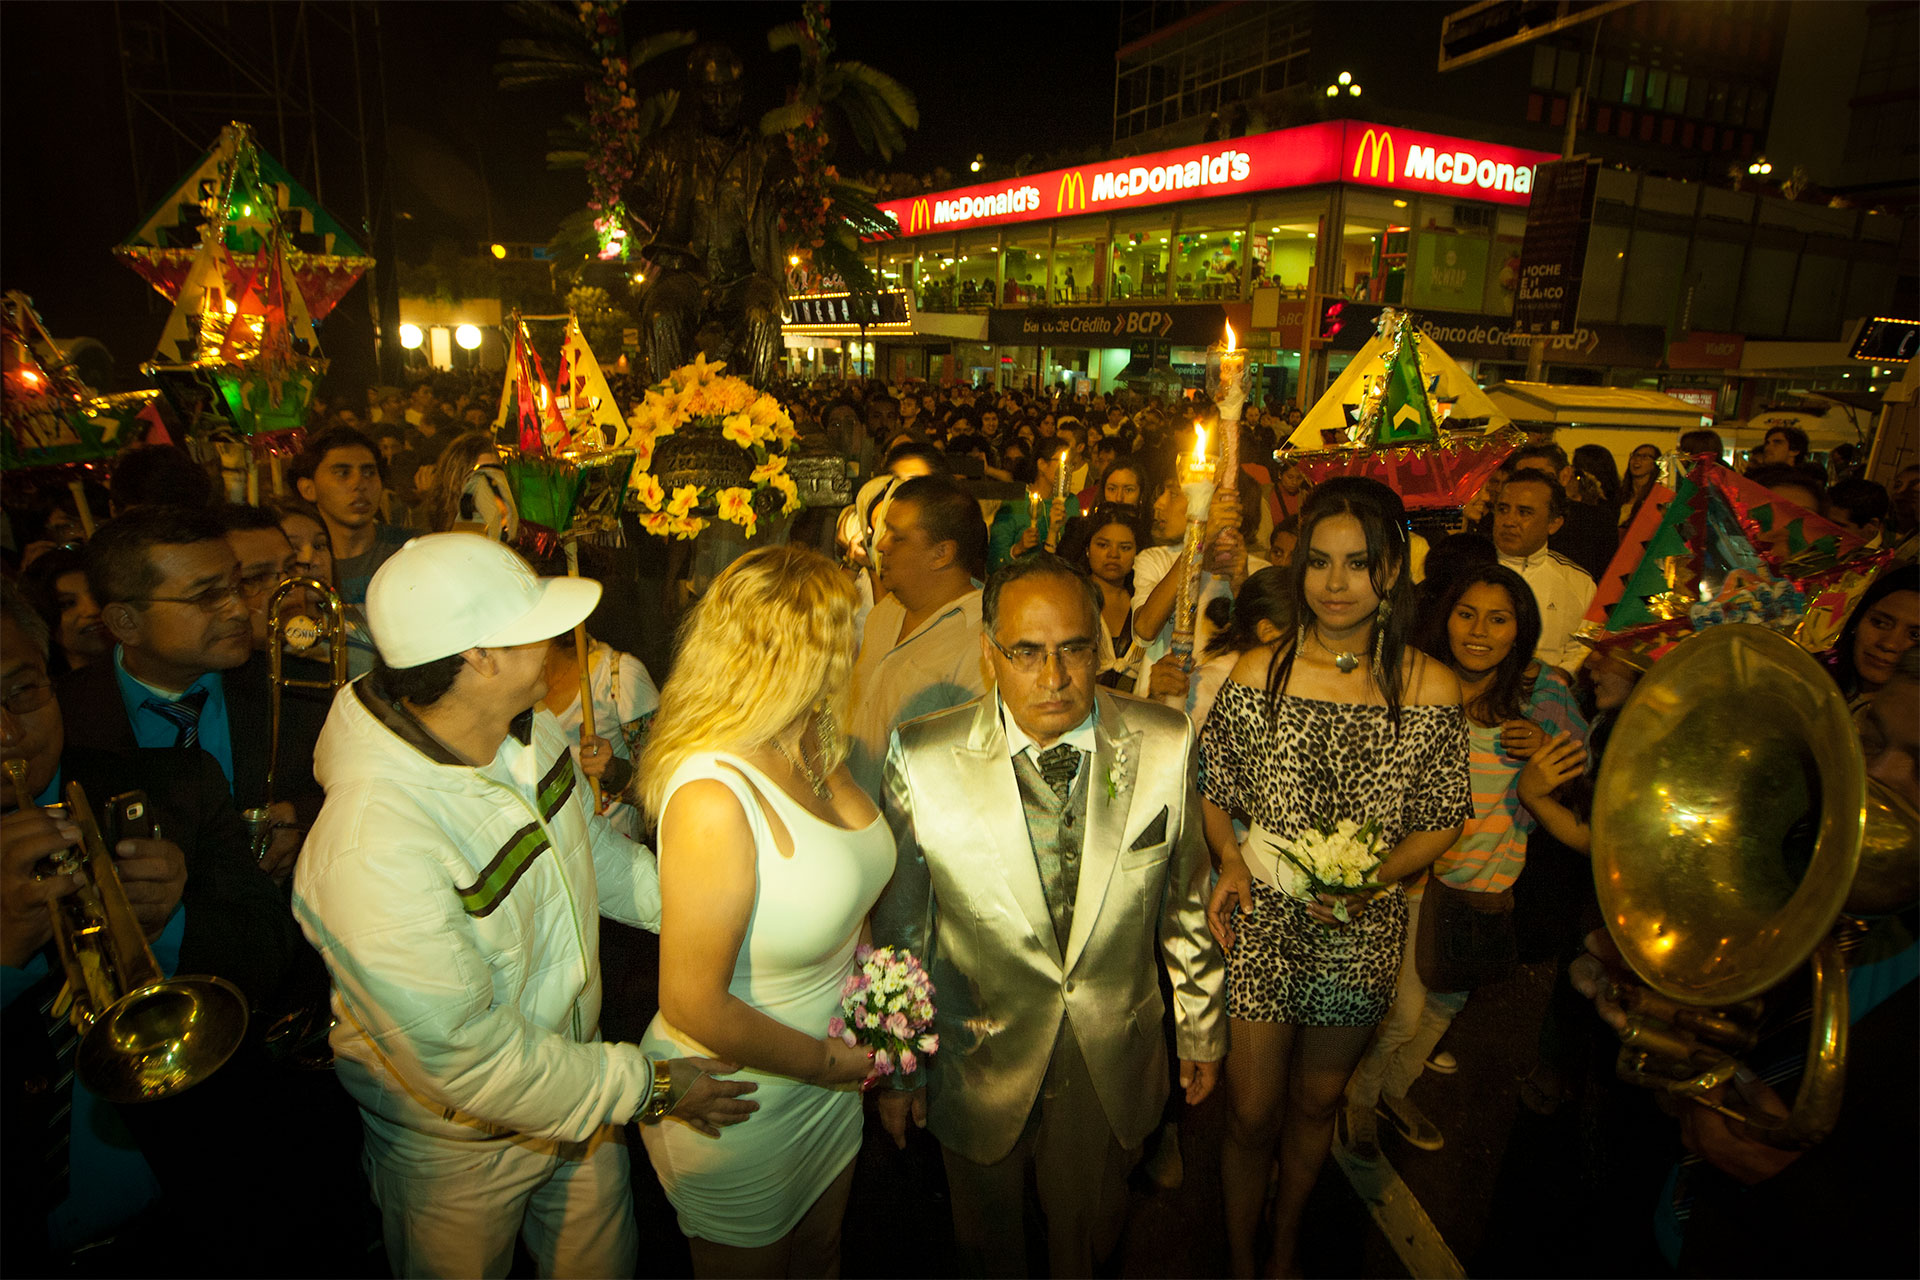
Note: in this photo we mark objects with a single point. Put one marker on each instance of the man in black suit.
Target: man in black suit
(76, 1170)
(184, 671)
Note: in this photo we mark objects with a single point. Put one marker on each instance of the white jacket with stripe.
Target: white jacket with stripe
(457, 909)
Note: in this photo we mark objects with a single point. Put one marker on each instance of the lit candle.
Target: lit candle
(1233, 396)
(1198, 485)
(1060, 495)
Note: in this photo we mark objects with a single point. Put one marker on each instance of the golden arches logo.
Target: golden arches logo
(919, 216)
(1372, 143)
(1072, 193)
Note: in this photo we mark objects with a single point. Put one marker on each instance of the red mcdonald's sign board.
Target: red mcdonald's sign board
(1333, 151)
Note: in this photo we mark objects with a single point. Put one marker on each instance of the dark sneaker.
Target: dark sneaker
(1357, 1133)
(1411, 1123)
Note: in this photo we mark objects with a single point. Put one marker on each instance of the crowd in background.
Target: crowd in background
(152, 636)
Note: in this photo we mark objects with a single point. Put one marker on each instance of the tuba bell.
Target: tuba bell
(143, 1035)
(1728, 827)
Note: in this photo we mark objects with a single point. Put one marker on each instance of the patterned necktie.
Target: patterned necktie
(184, 715)
(1059, 765)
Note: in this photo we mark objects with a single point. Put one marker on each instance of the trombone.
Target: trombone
(287, 629)
(143, 1035)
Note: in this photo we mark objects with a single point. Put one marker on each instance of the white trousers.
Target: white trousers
(1406, 1037)
(452, 1208)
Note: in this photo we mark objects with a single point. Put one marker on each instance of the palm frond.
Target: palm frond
(557, 20)
(897, 96)
(647, 49)
(781, 119)
(788, 35)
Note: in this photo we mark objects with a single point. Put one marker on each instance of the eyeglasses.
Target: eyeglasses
(209, 601)
(24, 699)
(1074, 655)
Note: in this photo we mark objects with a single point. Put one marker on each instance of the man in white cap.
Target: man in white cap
(453, 884)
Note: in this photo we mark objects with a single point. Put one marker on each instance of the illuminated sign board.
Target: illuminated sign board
(1368, 155)
(838, 313)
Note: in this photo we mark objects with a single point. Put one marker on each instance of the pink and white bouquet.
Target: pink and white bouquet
(886, 1004)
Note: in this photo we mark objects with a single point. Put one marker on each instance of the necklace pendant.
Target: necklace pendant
(1346, 662)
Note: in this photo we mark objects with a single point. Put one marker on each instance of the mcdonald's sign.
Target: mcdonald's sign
(1372, 143)
(1073, 186)
(920, 216)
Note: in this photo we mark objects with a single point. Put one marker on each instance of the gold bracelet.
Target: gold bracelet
(660, 1097)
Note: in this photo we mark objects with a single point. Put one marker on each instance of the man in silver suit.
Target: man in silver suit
(1049, 832)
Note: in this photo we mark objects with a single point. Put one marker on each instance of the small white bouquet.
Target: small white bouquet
(1337, 858)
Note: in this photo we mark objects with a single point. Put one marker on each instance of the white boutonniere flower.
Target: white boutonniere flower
(1117, 773)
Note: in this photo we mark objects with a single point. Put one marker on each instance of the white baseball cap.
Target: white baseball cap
(445, 593)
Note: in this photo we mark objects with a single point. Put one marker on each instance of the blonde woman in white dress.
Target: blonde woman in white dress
(770, 859)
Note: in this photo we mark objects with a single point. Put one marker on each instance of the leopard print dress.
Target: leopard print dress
(1309, 762)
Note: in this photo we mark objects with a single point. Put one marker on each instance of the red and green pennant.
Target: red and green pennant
(238, 195)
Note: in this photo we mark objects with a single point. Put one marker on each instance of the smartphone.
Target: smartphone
(128, 818)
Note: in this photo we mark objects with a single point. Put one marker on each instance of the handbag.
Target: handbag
(1465, 939)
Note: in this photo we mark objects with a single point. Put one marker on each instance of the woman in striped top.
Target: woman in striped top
(1484, 625)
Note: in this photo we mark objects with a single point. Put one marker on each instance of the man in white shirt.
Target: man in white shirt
(1530, 508)
(920, 650)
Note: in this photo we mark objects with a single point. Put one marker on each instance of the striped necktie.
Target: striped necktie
(183, 714)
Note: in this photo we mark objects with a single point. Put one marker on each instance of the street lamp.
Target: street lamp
(1346, 82)
(411, 337)
(468, 336)
(1760, 168)
(499, 251)
(979, 158)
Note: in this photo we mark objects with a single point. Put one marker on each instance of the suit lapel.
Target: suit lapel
(1003, 818)
(1116, 757)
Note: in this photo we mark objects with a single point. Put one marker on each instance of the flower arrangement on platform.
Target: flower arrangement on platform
(886, 1004)
(737, 470)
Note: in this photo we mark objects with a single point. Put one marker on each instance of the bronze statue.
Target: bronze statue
(706, 188)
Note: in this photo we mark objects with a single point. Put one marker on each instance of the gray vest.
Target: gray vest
(1057, 832)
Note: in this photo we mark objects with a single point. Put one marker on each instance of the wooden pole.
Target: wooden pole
(78, 489)
(583, 658)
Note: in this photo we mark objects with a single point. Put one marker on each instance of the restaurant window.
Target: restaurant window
(1285, 237)
(897, 262)
(1210, 254)
(1447, 246)
(934, 268)
(978, 268)
(1630, 87)
(1374, 245)
(1025, 279)
(1140, 244)
(1079, 260)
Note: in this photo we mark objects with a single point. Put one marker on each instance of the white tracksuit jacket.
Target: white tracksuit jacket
(457, 911)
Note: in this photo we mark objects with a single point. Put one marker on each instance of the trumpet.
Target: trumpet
(143, 1035)
(289, 629)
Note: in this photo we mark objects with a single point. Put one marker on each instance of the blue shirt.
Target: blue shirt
(152, 730)
(109, 1180)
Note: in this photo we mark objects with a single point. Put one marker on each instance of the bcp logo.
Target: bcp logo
(1072, 193)
(1372, 143)
(919, 216)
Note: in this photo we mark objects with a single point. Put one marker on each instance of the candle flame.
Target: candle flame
(1199, 446)
(1229, 335)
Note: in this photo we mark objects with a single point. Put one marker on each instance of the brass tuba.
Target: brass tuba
(1728, 826)
(289, 630)
(143, 1035)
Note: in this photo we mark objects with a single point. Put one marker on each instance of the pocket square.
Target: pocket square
(1156, 832)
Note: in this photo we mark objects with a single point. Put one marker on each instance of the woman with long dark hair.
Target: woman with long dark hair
(1484, 625)
(1341, 719)
(1643, 472)
(1884, 625)
(1596, 477)
(1105, 545)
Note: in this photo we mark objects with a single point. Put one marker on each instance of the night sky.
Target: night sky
(468, 158)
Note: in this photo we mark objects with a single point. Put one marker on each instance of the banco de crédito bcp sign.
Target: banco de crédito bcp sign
(1334, 151)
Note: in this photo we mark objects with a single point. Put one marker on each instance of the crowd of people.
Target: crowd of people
(963, 719)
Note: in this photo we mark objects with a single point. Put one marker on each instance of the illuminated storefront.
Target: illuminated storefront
(1256, 229)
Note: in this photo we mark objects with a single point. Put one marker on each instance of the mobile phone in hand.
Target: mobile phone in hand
(129, 817)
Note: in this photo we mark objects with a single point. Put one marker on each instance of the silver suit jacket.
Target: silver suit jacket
(966, 899)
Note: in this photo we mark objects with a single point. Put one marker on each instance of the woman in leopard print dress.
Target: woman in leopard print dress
(1341, 720)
